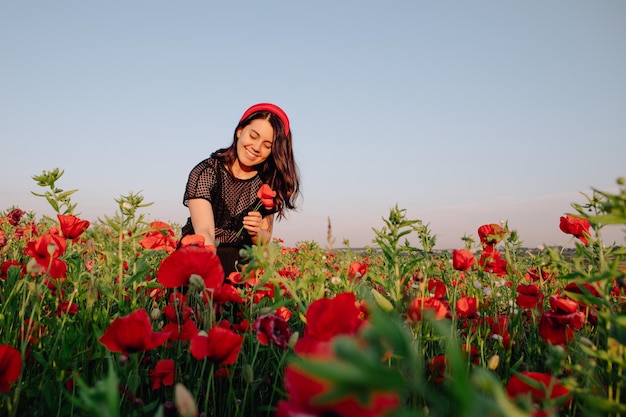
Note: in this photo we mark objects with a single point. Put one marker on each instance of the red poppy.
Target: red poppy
(577, 226)
(4, 268)
(538, 275)
(462, 259)
(491, 234)
(46, 250)
(132, 333)
(72, 226)
(528, 296)
(284, 312)
(357, 269)
(272, 328)
(220, 346)
(305, 391)
(499, 326)
(14, 216)
(466, 307)
(176, 270)
(436, 288)
(159, 237)
(266, 195)
(179, 333)
(177, 309)
(537, 385)
(557, 326)
(227, 293)
(66, 307)
(471, 353)
(430, 305)
(327, 318)
(491, 261)
(162, 374)
(10, 367)
(437, 368)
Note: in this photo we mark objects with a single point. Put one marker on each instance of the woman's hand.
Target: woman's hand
(258, 227)
(252, 223)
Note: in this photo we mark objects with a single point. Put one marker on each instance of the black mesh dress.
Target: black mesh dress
(231, 199)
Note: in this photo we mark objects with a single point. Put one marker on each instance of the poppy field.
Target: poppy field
(113, 317)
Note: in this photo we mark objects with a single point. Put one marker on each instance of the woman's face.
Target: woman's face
(254, 144)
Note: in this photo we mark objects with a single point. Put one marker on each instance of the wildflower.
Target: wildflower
(272, 328)
(462, 259)
(4, 268)
(437, 368)
(181, 332)
(14, 216)
(66, 307)
(471, 353)
(306, 394)
(159, 237)
(357, 269)
(46, 250)
(132, 333)
(538, 386)
(528, 296)
(162, 374)
(227, 293)
(577, 226)
(491, 261)
(466, 307)
(491, 234)
(326, 318)
(557, 325)
(266, 196)
(436, 288)
(220, 346)
(177, 269)
(430, 305)
(71, 226)
(10, 367)
(499, 326)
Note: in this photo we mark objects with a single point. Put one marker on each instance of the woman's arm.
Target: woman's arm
(202, 220)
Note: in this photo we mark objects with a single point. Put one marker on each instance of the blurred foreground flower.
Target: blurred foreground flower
(10, 367)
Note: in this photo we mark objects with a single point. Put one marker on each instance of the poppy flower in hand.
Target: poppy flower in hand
(266, 195)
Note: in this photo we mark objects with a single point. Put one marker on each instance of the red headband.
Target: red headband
(272, 108)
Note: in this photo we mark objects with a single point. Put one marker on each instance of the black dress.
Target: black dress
(231, 199)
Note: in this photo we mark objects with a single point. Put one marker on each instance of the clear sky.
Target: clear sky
(462, 113)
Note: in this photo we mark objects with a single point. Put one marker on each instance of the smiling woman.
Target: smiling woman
(222, 191)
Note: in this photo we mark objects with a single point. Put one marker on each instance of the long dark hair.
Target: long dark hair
(279, 170)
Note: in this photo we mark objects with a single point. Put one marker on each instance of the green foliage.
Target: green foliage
(58, 199)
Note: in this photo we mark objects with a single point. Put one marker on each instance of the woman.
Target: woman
(221, 191)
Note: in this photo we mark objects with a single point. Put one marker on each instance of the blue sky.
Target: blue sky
(461, 113)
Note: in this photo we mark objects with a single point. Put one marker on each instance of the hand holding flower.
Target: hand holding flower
(252, 222)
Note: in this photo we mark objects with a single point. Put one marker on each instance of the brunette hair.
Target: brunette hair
(279, 170)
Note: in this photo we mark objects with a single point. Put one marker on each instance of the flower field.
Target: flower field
(108, 318)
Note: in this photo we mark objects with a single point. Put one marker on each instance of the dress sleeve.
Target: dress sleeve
(202, 180)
